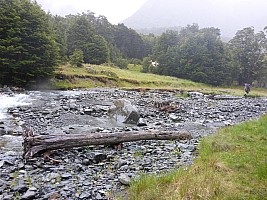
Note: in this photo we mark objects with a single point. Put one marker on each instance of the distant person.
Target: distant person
(247, 89)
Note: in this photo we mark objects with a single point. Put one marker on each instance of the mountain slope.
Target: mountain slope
(228, 15)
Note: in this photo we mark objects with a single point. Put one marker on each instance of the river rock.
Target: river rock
(66, 176)
(195, 94)
(124, 179)
(85, 195)
(174, 117)
(20, 188)
(30, 194)
(3, 130)
(98, 157)
(8, 197)
(124, 111)
(95, 170)
(141, 122)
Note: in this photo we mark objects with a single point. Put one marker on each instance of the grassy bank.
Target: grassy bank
(232, 165)
(98, 75)
(91, 76)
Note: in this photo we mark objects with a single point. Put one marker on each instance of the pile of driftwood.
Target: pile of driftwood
(38, 144)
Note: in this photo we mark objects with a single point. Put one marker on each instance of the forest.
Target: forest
(33, 43)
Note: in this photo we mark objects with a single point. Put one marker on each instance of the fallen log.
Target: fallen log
(36, 144)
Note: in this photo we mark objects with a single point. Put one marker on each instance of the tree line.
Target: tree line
(200, 55)
(33, 43)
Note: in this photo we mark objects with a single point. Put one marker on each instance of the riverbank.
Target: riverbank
(231, 165)
(96, 172)
(92, 76)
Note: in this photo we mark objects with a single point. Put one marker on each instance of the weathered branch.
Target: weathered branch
(40, 143)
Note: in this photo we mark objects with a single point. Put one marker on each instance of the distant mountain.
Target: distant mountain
(227, 15)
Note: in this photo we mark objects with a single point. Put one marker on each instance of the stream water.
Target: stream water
(8, 141)
(11, 140)
(28, 98)
(8, 101)
(93, 171)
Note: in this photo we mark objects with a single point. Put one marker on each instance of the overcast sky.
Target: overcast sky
(115, 10)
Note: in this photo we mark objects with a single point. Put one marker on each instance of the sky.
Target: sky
(115, 10)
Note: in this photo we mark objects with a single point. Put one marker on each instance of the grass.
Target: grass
(232, 164)
(105, 76)
(125, 78)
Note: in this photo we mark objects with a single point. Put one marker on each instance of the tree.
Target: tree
(164, 50)
(129, 42)
(98, 51)
(150, 41)
(204, 57)
(76, 59)
(79, 36)
(168, 39)
(121, 63)
(59, 27)
(193, 53)
(28, 51)
(104, 28)
(250, 50)
(82, 35)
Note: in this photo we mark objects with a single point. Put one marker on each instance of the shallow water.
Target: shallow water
(13, 100)
(13, 142)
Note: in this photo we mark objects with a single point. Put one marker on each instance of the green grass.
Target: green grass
(137, 68)
(232, 164)
(126, 78)
(105, 76)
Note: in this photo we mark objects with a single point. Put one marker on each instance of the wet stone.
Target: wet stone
(30, 194)
(95, 170)
(85, 195)
(20, 188)
(7, 197)
(124, 179)
(66, 176)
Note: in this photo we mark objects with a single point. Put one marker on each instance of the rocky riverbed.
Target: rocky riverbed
(98, 172)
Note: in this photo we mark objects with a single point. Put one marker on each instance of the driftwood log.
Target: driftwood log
(36, 144)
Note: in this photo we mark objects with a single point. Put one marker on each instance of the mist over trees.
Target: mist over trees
(227, 15)
(33, 43)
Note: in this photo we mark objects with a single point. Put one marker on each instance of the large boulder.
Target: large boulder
(124, 111)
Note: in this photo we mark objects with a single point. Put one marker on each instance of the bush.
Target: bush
(76, 59)
(121, 63)
(199, 77)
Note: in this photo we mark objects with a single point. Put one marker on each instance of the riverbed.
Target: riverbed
(95, 172)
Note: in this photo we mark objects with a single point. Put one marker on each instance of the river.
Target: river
(13, 100)
(10, 126)
(11, 123)
(92, 172)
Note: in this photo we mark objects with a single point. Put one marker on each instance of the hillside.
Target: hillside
(92, 76)
(227, 15)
